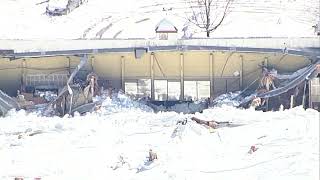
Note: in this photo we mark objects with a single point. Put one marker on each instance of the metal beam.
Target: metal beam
(152, 74)
(92, 59)
(6, 52)
(241, 72)
(266, 61)
(23, 73)
(301, 52)
(69, 65)
(123, 73)
(211, 69)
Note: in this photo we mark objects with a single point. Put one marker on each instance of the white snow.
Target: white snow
(113, 143)
(21, 19)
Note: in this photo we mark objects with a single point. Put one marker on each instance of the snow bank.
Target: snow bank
(113, 144)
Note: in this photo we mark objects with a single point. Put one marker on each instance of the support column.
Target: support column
(304, 94)
(152, 74)
(181, 76)
(266, 61)
(92, 63)
(291, 101)
(23, 74)
(122, 73)
(310, 95)
(266, 65)
(211, 68)
(69, 65)
(241, 72)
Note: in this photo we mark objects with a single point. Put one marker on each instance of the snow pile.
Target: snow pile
(184, 107)
(119, 102)
(230, 99)
(113, 143)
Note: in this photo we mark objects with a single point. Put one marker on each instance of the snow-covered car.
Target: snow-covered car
(62, 7)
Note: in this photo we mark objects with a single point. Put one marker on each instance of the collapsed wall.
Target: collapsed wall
(171, 72)
(161, 75)
(7, 103)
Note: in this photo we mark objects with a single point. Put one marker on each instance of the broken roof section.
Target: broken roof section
(165, 26)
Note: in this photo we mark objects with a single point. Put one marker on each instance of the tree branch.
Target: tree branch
(223, 17)
(203, 14)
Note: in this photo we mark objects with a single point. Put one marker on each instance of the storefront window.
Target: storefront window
(190, 90)
(173, 91)
(131, 88)
(166, 90)
(138, 88)
(160, 90)
(196, 90)
(144, 88)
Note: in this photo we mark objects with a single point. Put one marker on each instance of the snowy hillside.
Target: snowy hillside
(21, 19)
(114, 143)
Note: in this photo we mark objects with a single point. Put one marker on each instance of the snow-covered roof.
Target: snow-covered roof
(165, 26)
(23, 46)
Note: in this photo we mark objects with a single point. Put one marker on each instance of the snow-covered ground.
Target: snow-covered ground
(113, 143)
(26, 19)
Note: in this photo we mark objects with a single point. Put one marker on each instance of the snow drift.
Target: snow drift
(114, 143)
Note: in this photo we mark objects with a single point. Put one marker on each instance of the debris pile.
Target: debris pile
(152, 155)
(274, 91)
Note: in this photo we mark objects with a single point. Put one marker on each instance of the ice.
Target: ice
(113, 143)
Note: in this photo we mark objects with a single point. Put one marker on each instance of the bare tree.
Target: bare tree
(208, 14)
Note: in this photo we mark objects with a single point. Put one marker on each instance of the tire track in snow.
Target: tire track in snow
(100, 33)
(142, 20)
(137, 22)
(117, 34)
(85, 33)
